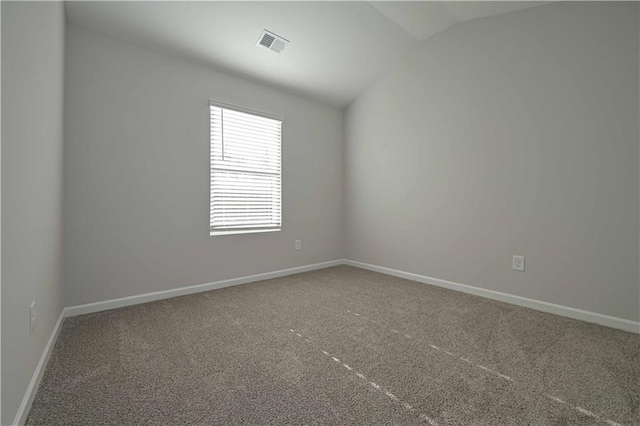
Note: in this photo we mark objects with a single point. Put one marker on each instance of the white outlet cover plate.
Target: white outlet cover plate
(518, 263)
(32, 316)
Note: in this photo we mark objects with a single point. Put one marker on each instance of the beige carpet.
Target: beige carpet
(337, 346)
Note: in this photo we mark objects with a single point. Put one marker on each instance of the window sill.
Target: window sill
(243, 231)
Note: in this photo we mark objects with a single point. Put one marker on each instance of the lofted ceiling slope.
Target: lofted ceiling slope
(336, 49)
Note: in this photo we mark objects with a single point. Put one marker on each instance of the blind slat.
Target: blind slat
(261, 132)
(255, 136)
(230, 146)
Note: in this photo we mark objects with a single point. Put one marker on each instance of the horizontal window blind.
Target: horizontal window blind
(245, 172)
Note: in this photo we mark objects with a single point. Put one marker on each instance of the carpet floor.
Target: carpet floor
(337, 346)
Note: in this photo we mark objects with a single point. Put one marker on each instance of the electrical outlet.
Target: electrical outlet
(518, 263)
(32, 316)
(298, 245)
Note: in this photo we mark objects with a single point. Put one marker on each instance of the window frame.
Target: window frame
(226, 106)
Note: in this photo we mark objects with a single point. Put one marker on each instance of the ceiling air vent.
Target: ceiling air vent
(271, 41)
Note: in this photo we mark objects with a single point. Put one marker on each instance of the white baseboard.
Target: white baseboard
(183, 291)
(565, 311)
(29, 395)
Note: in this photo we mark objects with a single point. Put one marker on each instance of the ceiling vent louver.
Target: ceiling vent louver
(271, 41)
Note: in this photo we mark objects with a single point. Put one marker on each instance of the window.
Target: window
(245, 171)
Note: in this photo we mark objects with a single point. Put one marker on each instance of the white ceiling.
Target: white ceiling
(422, 19)
(337, 49)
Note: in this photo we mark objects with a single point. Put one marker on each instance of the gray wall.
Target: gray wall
(137, 174)
(32, 105)
(515, 134)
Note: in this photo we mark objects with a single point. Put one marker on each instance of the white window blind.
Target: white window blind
(245, 172)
